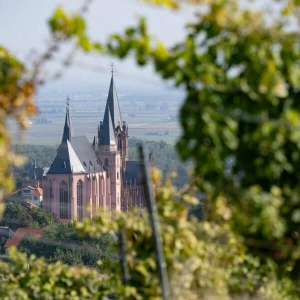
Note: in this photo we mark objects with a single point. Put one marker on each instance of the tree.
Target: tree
(22, 214)
(241, 75)
(60, 242)
(51, 281)
(240, 124)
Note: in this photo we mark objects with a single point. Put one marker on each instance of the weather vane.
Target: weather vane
(112, 68)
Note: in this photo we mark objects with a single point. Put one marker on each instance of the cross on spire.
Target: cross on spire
(112, 68)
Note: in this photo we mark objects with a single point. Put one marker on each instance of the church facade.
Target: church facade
(87, 177)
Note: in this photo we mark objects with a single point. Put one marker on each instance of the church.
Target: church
(85, 177)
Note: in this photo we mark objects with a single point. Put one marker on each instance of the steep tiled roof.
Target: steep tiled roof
(86, 154)
(19, 235)
(66, 161)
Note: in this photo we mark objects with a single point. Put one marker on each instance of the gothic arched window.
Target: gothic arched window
(79, 200)
(106, 162)
(64, 205)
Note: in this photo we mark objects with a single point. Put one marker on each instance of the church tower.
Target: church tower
(84, 176)
(113, 144)
(120, 128)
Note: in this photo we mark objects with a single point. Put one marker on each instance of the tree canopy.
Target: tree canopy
(60, 242)
(23, 214)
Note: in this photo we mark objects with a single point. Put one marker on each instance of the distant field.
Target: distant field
(147, 119)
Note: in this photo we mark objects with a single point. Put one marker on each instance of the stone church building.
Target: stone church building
(87, 177)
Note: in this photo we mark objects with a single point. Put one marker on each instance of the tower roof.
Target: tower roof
(107, 133)
(66, 161)
(113, 103)
(67, 128)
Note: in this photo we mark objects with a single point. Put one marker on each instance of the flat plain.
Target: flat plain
(148, 118)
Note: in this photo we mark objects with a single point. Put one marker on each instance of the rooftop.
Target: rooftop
(19, 234)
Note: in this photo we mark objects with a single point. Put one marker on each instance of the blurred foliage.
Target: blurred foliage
(241, 75)
(32, 278)
(240, 71)
(205, 260)
(15, 102)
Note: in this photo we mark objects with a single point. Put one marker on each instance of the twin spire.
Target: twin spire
(112, 118)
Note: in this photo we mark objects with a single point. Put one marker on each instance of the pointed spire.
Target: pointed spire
(67, 128)
(94, 141)
(113, 102)
(112, 69)
(107, 134)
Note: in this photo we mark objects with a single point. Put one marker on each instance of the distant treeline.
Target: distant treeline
(40, 154)
(165, 157)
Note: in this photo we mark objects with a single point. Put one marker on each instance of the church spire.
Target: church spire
(113, 102)
(107, 137)
(67, 128)
(112, 69)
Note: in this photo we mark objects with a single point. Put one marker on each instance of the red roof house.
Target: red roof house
(32, 194)
(19, 234)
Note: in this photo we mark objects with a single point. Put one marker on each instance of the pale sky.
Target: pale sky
(23, 28)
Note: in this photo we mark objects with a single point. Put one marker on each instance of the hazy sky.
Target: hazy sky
(23, 28)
